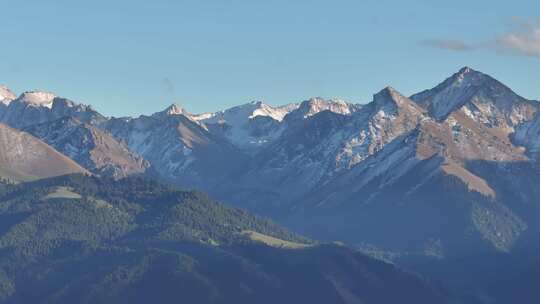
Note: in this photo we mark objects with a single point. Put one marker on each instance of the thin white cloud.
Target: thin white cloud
(452, 45)
(523, 39)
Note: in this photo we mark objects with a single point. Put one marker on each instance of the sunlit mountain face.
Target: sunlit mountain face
(443, 180)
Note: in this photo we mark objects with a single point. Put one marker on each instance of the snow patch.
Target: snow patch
(38, 98)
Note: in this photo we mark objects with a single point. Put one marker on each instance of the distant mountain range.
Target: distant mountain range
(452, 170)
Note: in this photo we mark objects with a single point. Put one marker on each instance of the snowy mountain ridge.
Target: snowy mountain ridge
(325, 159)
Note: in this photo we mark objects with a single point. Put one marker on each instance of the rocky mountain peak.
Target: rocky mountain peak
(37, 98)
(242, 114)
(6, 95)
(35, 107)
(390, 97)
(467, 86)
(175, 109)
(386, 94)
(469, 76)
(315, 105)
(466, 70)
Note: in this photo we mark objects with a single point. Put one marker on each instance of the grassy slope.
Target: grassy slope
(63, 192)
(272, 241)
(15, 177)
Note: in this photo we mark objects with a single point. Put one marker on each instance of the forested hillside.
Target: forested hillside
(83, 239)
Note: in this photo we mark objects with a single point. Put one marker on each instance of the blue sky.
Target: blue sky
(136, 57)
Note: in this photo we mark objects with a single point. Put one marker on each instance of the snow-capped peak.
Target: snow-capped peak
(6, 95)
(175, 109)
(454, 92)
(38, 98)
(276, 113)
(241, 125)
(315, 105)
(466, 74)
(242, 113)
(465, 70)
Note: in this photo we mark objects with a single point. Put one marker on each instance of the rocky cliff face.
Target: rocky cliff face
(92, 148)
(24, 157)
(36, 107)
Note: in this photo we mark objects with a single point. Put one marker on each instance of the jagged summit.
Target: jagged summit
(391, 97)
(174, 109)
(34, 107)
(466, 69)
(387, 93)
(470, 75)
(6, 95)
(38, 98)
(467, 86)
(249, 125)
(245, 112)
(315, 105)
(276, 113)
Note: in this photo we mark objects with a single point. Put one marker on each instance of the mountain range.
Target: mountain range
(446, 174)
(306, 164)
